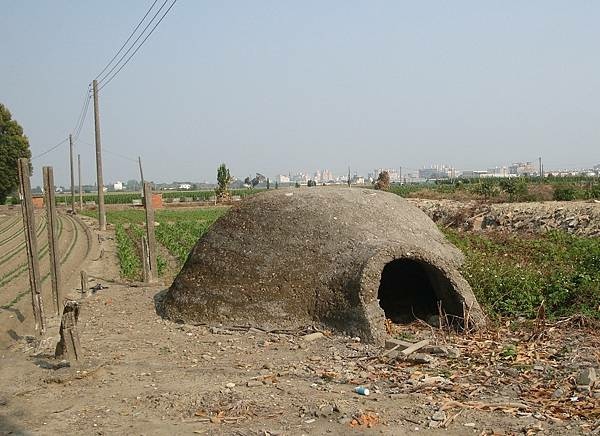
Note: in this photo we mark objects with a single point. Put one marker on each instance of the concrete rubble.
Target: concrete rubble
(575, 217)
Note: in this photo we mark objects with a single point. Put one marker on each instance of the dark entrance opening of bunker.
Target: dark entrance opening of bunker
(411, 289)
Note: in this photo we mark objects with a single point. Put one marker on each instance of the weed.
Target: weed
(511, 274)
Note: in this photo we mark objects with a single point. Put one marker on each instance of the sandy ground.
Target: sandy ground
(145, 375)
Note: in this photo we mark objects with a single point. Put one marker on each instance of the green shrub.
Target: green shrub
(564, 193)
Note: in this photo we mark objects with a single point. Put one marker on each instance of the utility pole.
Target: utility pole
(141, 174)
(79, 179)
(72, 174)
(540, 173)
(100, 180)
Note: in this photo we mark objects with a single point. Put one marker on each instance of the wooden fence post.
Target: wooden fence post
(150, 231)
(35, 282)
(84, 283)
(69, 347)
(145, 261)
(52, 224)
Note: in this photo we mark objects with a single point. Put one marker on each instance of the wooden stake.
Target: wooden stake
(35, 282)
(150, 231)
(52, 225)
(69, 347)
(145, 261)
(84, 282)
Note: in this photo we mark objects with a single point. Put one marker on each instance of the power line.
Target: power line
(82, 115)
(51, 149)
(122, 156)
(116, 65)
(139, 46)
(128, 39)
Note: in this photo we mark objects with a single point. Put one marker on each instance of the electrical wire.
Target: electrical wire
(106, 150)
(140, 45)
(49, 150)
(82, 114)
(116, 65)
(128, 39)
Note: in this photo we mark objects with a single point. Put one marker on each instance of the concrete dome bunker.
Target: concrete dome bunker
(339, 258)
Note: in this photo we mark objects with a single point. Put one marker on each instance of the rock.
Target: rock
(453, 352)
(215, 420)
(254, 383)
(230, 385)
(326, 411)
(587, 377)
(340, 408)
(313, 336)
(442, 351)
(440, 415)
(582, 389)
(419, 358)
(558, 393)
(3, 401)
(435, 380)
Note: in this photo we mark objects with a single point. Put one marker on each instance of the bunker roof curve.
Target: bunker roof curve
(289, 258)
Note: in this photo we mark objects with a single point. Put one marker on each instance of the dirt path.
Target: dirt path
(145, 375)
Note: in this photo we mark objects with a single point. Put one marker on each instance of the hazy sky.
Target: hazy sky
(278, 86)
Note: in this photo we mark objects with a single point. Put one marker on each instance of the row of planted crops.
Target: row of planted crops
(176, 233)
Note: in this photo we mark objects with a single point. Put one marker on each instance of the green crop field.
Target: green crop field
(512, 274)
(177, 232)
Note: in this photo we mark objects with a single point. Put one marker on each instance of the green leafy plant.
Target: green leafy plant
(511, 275)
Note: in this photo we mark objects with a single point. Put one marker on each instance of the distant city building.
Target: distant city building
(281, 178)
(522, 169)
(118, 186)
(473, 174)
(434, 173)
(327, 176)
(499, 172)
(185, 186)
(395, 175)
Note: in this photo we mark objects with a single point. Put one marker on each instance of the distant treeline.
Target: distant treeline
(506, 189)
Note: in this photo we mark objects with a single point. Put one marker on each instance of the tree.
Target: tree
(383, 181)
(515, 188)
(223, 181)
(268, 183)
(13, 145)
